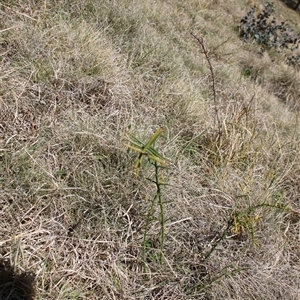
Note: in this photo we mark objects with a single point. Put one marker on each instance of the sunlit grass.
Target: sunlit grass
(75, 78)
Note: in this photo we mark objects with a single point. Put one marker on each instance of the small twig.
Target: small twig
(5, 29)
(205, 51)
(220, 239)
(19, 13)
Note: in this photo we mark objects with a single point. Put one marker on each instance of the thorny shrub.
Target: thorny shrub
(265, 30)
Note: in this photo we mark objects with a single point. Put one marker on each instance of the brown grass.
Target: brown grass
(75, 79)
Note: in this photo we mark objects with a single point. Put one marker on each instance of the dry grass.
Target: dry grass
(74, 80)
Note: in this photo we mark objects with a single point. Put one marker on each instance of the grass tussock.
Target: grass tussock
(220, 220)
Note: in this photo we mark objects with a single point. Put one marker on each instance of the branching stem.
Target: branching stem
(206, 53)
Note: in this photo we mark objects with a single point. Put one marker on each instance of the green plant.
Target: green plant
(158, 162)
(244, 222)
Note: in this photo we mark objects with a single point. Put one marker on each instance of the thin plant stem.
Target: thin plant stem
(220, 239)
(206, 53)
(162, 213)
(148, 222)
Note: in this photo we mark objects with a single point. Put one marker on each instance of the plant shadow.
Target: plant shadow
(293, 4)
(15, 286)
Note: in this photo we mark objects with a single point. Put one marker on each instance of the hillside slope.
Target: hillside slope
(78, 78)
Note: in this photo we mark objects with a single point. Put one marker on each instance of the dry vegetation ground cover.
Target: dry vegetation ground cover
(76, 77)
